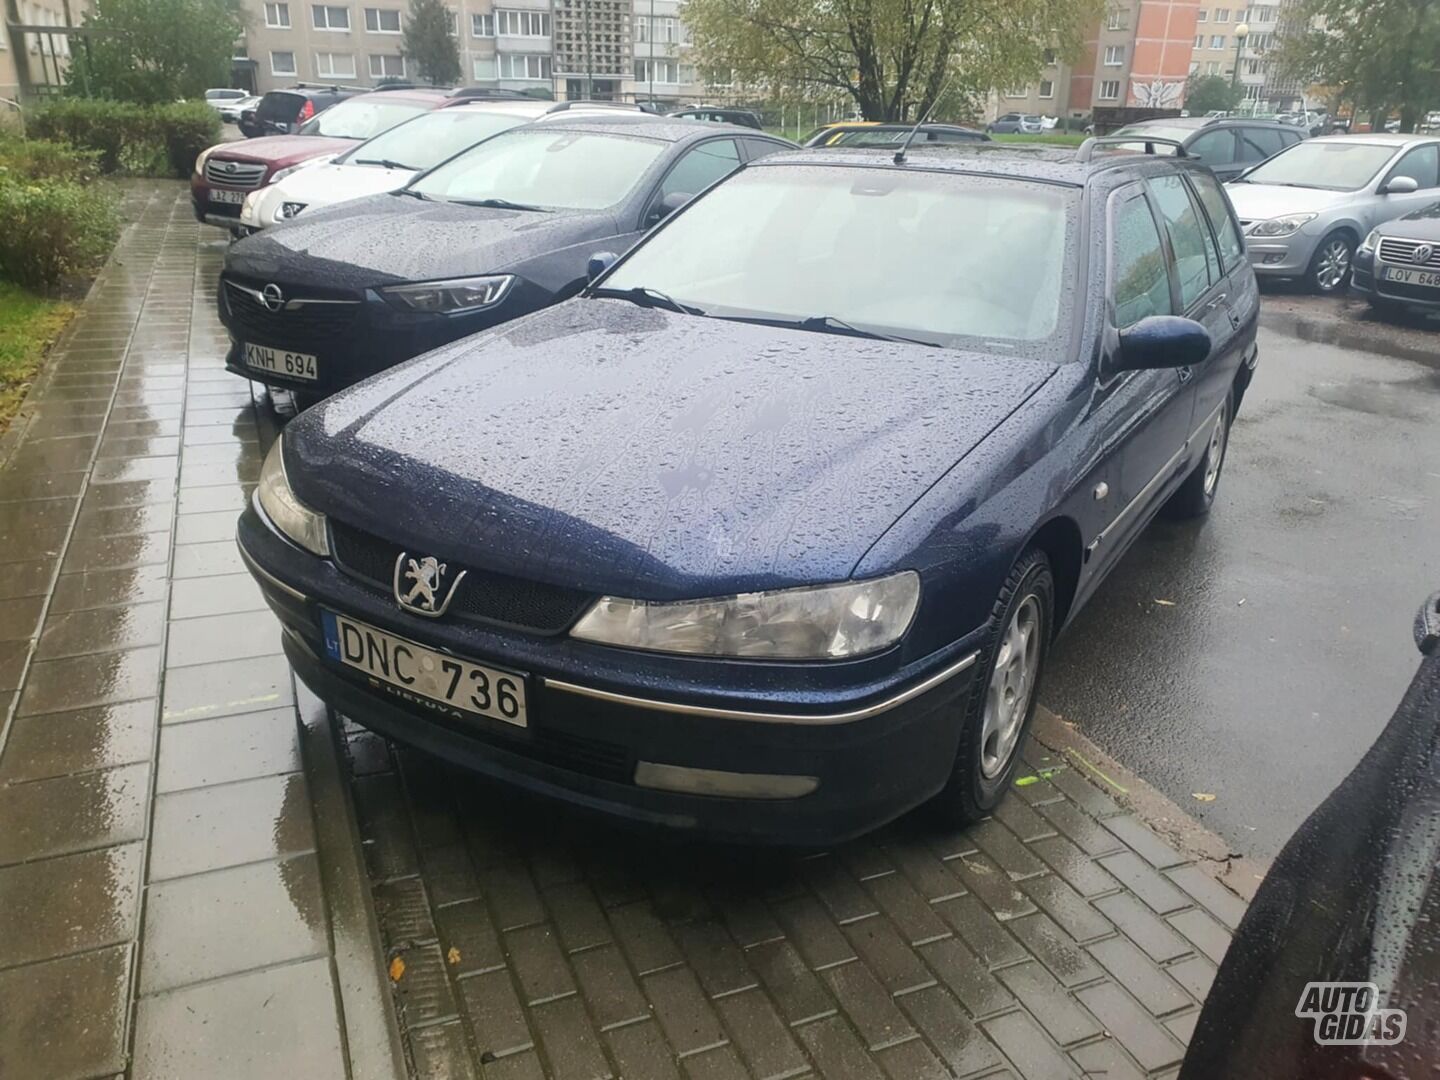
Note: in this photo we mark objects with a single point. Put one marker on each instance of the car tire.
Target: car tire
(1196, 495)
(1329, 269)
(1001, 704)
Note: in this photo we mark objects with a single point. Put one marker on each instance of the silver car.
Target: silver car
(1305, 210)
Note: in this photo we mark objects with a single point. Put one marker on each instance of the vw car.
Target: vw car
(768, 532)
(1229, 145)
(498, 231)
(1308, 208)
(1398, 264)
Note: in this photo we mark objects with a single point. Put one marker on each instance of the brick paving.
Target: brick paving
(181, 894)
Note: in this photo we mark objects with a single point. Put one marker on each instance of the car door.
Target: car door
(1217, 149)
(1422, 163)
(1143, 416)
(695, 170)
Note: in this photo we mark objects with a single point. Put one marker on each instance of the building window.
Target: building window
(386, 66)
(1114, 55)
(1049, 57)
(485, 69)
(1116, 21)
(522, 23)
(532, 66)
(1199, 41)
(1047, 88)
(1018, 92)
(1259, 42)
(1222, 14)
(1110, 90)
(330, 65)
(660, 71)
(687, 74)
(452, 22)
(282, 63)
(277, 16)
(1212, 67)
(1217, 41)
(1202, 15)
(482, 26)
(1194, 66)
(330, 18)
(382, 21)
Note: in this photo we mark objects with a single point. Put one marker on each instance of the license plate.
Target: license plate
(233, 198)
(421, 675)
(294, 365)
(1411, 277)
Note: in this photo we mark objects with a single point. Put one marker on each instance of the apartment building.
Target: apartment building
(1049, 95)
(32, 58)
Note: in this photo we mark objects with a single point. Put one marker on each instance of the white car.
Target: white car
(391, 159)
(217, 96)
(1305, 210)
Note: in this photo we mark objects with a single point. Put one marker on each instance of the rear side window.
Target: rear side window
(1140, 281)
(1214, 147)
(1189, 237)
(758, 148)
(1423, 163)
(1227, 233)
(1257, 144)
(701, 167)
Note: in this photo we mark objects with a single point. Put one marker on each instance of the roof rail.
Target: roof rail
(491, 92)
(1089, 146)
(562, 106)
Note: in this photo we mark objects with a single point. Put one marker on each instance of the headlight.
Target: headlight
(1371, 241)
(825, 622)
(289, 514)
(1281, 226)
(452, 296)
(204, 156)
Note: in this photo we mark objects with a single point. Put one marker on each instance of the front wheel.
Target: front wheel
(1002, 703)
(1329, 270)
(1196, 495)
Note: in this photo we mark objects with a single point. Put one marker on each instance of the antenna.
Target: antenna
(910, 137)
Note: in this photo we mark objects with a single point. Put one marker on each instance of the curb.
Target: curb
(1240, 874)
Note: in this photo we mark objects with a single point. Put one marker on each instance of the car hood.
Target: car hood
(1422, 224)
(639, 452)
(1257, 202)
(321, 185)
(281, 149)
(386, 238)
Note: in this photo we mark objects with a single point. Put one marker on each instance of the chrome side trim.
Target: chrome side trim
(260, 572)
(769, 717)
(290, 305)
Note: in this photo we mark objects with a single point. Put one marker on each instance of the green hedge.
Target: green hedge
(52, 230)
(39, 159)
(141, 140)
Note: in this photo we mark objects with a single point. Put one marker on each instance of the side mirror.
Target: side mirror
(599, 263)
(1161, 341)
(1399, 185)
(668, 205)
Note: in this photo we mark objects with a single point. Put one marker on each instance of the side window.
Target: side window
(701, 167)
(1227, 232)
(1139, 279)
(1423, 163)
(1257, 144)
(758, 148)
(1189, 237)
(1214, 147)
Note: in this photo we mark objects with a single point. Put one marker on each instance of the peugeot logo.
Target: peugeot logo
(230, 166)
(1422, 254)
(272, 297)
(420, 585)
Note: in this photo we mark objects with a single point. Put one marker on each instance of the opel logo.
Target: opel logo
(272, 297)
(1422, 254)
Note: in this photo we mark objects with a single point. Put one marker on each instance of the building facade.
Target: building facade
(32, 59)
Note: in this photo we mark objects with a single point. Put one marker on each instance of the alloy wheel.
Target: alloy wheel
(1333, 265)
(1215, 453)
(1012, 682)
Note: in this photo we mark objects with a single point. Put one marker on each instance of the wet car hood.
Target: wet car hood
(331, 183)
(1422, 224)
(389, 237)
(1257, 202)
(640, 452)
(273, 149)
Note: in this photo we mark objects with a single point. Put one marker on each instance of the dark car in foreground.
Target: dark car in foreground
(1229, 145)
(1353, 899)
(768, 533)
(1398, 265)
(500, 230)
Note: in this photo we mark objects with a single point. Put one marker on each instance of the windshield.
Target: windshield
(1156, 131)
(360, 118)
(431, 138)
(946, 259)
(556, 170)
(1329, 166)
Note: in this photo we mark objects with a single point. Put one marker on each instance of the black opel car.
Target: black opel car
(502, 229)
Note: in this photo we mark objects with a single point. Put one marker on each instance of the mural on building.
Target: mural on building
(1157, 94)
(1164, 42)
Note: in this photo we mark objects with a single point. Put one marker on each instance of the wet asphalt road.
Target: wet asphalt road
(1286, 643)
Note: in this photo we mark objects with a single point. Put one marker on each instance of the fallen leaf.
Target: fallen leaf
(1165, 603)
(397, 969)
(1203, 796)
(1026, 781)
(453, 956)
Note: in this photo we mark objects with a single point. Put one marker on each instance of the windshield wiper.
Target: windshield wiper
(827, 324)
(386, 163)
(413, 194)
(500, 204)
(647, 297)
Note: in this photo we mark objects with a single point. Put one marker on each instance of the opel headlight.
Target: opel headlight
(1281, 226)
(824, 622)
(452, 296)
(1370, 241)
(288, 513)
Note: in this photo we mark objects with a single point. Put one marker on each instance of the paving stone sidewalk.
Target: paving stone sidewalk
(181, 894)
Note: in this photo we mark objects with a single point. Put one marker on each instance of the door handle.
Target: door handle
(1213, 304)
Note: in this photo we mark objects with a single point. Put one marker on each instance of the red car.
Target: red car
(226, 173)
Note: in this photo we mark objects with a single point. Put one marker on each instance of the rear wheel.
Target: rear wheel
(1329, 270)
(1002, 703)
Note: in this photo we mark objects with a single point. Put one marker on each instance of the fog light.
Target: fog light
(1273, 257)
(732, 785)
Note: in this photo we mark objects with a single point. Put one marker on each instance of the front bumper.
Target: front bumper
(209, 212)
(1281, 257)
(874, 750)
(1365, 280)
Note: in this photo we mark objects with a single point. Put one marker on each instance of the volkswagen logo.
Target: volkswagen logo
(272, 297)
(1422, 254)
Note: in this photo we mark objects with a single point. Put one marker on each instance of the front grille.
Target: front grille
(1402, 252)
(306, 327)
(483, 596)
(234, 174)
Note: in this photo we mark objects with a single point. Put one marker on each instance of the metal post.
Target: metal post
(650, 34)
(589, 57)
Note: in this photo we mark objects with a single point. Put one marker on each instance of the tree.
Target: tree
(1211, 93)
(1381, 55)
(894, 58)
(150, 51)
(430, 42)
